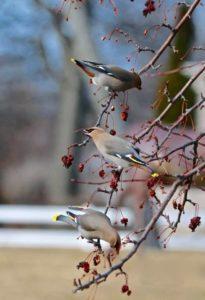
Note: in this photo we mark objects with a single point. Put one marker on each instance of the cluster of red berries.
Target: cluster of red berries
(150, 7)
(124, 221)
(114, 180)
(85, 266)
(194, 223)
(67, 160)
(125, 289)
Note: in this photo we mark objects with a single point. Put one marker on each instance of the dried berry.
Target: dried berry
(101, 173)
(124, 116)
(84, 265)
(94, 272)
(152, 193)
(174, 203)
(96, 260)
(81, 167)
(124, 221)
(150, 7)
(125, 288)
(180, 207)
(112, 132)
(67, 160)
(113, 183)
(151, 182)
(194, 223)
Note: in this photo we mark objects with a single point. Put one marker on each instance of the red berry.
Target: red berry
(84, 265)
(174, 203)
(150, 7)
(67, 160)
(124, 116)
(102, 173)
(96, 260)
(124, 221)
(112, 132)
(125, 288)
(194, 223)
(113, 184)
(152, 193)
(81, 167)
(180, 207)
(151, 182)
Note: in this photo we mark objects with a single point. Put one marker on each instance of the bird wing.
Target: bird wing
(93, 221)
(84, 66)
(124, 150)
(109, 70)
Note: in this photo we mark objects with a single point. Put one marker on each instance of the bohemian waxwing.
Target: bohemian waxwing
(115, 149)
(92, 225)
(112, 78)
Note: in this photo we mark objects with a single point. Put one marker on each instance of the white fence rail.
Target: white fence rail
(14, 231)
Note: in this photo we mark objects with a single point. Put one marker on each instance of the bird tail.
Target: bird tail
(153, 173)
(142, 163)
(66, 219)
(85, 66)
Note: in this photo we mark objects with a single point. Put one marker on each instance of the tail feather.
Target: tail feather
(84, 66)
(66, 219)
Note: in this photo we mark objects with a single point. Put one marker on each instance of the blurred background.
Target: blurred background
(43, 100)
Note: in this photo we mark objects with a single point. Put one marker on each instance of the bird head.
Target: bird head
(93, 131)
(137, 81)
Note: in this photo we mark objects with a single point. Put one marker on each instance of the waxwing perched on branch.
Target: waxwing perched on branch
(117, 150)
(112, 78)
(92, 225)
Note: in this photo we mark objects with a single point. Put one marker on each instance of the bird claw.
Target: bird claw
(96, 244)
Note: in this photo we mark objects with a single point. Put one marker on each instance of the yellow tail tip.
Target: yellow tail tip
(154, 175)
(72, 60)
(55, 217)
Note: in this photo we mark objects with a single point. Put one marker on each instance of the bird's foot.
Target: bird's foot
(96, 244)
